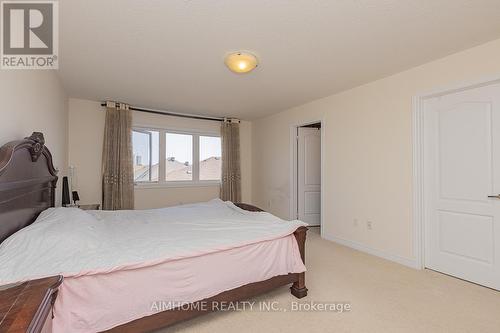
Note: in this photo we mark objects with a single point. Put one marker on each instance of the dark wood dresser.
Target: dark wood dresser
(25, 307)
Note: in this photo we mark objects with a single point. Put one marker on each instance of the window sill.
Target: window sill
(207, 183)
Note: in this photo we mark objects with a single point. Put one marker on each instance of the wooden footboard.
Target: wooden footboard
(170, 317)
(298, 288)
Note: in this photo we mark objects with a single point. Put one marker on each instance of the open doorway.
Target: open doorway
(307, 174)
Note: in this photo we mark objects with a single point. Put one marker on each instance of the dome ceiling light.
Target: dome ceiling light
(241, 62)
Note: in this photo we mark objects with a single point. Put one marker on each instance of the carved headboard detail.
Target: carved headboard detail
(27, 183)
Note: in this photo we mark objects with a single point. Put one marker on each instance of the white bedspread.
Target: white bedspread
(73, 242)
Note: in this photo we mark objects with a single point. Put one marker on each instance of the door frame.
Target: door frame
(294, 171)
(419, 166)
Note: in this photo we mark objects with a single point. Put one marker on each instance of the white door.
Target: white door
(462, 169)
(309, 175)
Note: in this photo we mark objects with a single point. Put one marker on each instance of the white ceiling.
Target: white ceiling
(169, 54)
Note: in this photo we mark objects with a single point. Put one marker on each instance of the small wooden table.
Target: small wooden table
(24, 307)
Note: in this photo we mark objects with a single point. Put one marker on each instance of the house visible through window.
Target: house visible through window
(163, 156)
(210, 158)
(179, 153)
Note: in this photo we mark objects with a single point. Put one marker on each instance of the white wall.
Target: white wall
(34, 101)
(86, 131)
(246, 161)
(367, 153)
(86, 135)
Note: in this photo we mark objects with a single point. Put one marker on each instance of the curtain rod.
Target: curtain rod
(166, 113)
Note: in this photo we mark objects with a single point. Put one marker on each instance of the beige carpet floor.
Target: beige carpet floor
(384, 297)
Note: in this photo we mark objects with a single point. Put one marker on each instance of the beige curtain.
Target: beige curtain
(231, 174)
(117, 158)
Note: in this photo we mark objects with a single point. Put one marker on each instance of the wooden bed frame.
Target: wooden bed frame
(27, 187)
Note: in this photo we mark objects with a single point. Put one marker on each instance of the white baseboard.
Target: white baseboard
(378, 253)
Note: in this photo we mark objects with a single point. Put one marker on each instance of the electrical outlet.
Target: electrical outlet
(369, 225)
(355, 223)
(268, 203)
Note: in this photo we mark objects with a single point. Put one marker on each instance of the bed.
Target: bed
(229, 268)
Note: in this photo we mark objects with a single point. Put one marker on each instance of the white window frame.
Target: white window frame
(142, 131)
(162, 182)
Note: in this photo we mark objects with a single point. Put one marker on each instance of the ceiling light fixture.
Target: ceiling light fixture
(241, 62)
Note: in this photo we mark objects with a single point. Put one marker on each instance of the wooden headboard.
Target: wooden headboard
(27, 183)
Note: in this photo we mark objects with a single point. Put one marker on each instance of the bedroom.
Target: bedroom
(372, 73)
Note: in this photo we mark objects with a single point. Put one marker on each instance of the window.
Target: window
(145, 148)
(210, 158)
(179, 153)
(177, 158)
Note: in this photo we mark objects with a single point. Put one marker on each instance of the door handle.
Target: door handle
(494, 196)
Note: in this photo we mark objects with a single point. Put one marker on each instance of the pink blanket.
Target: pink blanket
(94, 303)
